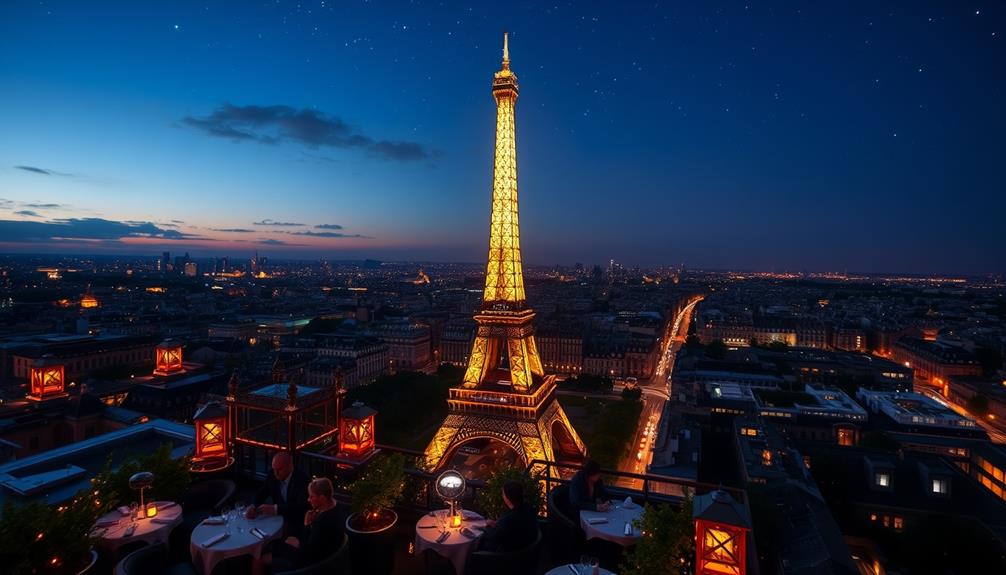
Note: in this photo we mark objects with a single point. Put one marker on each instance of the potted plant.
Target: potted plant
(667, 544)
(50, 539)
(490, 499)
(372, 519)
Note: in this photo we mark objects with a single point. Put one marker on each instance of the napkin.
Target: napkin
(443, 536)
(214, 521)
(596, 520)
(469, 533)
(215, 539)
(123, 510)
(257, 532)
(162, 520)
(129, 530)
(628, 504)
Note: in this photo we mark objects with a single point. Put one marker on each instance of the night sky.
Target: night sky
(859, 136)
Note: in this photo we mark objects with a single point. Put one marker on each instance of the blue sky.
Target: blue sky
(861, 136)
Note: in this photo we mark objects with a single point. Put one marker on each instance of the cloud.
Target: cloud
(328, 227)
(233, 230)
(43, 206)
(325, 234)
(35, 170)
(311, 128)
(28, 213)
(42, 171)
(84, 229)
(268, 222)
(177, 221)
(6, 204)
(272, 242)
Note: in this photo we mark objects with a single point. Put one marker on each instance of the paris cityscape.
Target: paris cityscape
(253, 319)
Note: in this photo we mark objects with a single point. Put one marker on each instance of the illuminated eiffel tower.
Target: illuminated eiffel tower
(505, 408)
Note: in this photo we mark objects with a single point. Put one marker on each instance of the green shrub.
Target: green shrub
(171, 478)
(667, 546)
(490, 499)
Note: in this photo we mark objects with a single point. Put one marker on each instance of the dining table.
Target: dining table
(121, 526)
(454, 543)
(219, 538)
(615, 525)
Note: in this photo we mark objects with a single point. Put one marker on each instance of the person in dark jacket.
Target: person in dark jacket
(516, 528)
(286, 489)
(587, 491)
(324, 525)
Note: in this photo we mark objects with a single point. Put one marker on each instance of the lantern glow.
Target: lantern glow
(212, 437)
(356, 430)
(168, 358)
(47, 379)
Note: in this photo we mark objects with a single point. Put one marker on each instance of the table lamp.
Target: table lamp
(451, 486)
(142, 481)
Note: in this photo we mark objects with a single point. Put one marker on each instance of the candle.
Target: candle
(151, 510)
(456, 520)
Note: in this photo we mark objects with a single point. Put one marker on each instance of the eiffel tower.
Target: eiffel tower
(505, 408)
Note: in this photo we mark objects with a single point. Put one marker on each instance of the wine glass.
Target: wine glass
(133, 507)
(227, 513)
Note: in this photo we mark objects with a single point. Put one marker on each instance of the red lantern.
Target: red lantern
(212, 436)
(169, 358)
(48, 378)
(721, 531)
(356, 430)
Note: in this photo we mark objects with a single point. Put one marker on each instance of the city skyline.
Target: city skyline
(735, 138)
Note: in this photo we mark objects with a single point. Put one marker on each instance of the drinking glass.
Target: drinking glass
(133, 507)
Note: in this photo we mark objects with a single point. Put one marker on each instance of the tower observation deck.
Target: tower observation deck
(505, 410)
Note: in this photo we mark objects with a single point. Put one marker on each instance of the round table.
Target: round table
(614, 529)
(240, 540)
(111, 528)
(565, 570)
(457, 546)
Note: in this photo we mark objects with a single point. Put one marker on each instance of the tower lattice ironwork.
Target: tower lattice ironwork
(505, 394)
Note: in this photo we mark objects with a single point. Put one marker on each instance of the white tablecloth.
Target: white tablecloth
(457, 546)
(111, 528)
(239, 542)
(614, 529)
(565, 570)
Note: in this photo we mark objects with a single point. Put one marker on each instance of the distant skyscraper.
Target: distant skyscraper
(166, 261)
(505, 410)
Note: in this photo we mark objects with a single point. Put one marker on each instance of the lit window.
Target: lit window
(899, 523)
(883, 479)
(873, 517)
(940, 486)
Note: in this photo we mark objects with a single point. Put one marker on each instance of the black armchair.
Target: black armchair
(334, 564)
(209, 496)
(495, 563)
(564, 526)
(151, 560)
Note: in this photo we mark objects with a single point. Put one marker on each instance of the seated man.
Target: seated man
(286, 488)
(516, 528)
(587, 491)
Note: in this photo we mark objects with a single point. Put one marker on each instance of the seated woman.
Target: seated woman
(516, 528)
(587, 491)
(324, 525)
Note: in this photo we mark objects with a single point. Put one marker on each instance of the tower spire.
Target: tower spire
(505, 394)
(506, 51)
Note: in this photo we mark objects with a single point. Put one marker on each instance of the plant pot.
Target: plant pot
(89, 568)
(371, 548)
